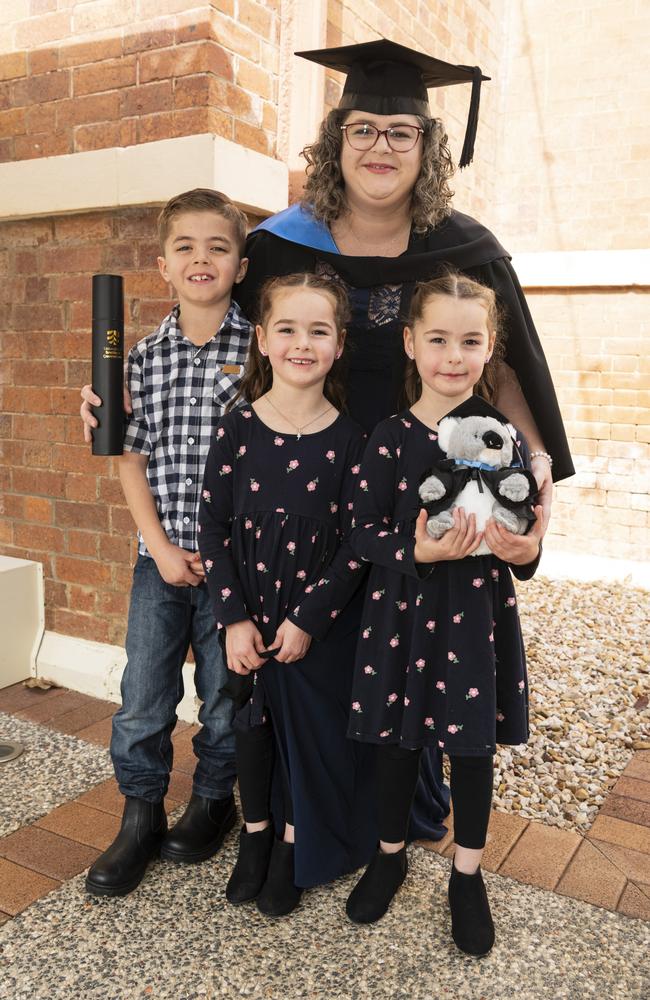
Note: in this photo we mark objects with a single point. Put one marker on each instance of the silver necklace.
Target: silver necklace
(298, 429)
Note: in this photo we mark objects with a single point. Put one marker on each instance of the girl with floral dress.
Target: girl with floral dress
(440, 659)
(274, 521)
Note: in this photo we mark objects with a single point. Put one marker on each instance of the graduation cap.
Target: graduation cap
(385, 78)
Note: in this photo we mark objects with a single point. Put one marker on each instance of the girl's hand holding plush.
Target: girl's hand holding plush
(243, 646)
(458, 542)
(291, 642)
(516, 549)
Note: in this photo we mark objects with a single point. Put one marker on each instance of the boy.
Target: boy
(180, 378)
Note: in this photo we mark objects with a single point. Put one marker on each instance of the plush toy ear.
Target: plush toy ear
(445, 428)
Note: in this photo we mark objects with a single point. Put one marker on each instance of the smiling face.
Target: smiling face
(379, 175)
(450, 343)
(300, 337)
(202, 258)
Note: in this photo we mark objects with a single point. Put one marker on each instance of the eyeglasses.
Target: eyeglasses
(363, 136)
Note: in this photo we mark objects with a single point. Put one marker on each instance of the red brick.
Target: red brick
(7, 155)
(191, 91)
(64, 260)
(38, 289)
(13, 122)
(38, 454)
(110, 74)
(24, 400)
(81, 515)
(111, 603)
(65, 400)
(179, 60)
(38, 428)
(116, 549)
(89, 52)
(12, 65)
(158, 38)
(39, 537)
(147, 99)
(32, 147)
(83, 571)
(251, 137)
(37, 317)
(192, 121)
(38, 373)
(119, 257)
(121, 521)
(43, 60)
(87, 110)
(81, 543)
(83, 626)
(41, 89)
(81, 487)
(38, 509)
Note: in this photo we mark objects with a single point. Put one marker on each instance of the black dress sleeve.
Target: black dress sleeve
(525, 355)
(215, 520)
(372, 538)
(323, 602)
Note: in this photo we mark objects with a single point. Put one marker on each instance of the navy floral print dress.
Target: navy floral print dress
(440, 659)
(274, 521)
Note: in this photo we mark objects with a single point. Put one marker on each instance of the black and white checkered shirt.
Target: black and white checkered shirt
(179, 392)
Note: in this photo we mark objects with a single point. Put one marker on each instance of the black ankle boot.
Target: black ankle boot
(471, 921)
(279, 895)
(249, 873)
(120, 868)
(374, 891)
(201, 829)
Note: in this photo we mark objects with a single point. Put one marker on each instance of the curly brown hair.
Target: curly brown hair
(258, 374)
(325, 191)
(458, 286)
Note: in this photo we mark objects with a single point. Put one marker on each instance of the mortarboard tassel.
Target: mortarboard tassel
(472, 119)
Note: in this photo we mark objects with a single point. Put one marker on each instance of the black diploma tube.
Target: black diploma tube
(108, 363)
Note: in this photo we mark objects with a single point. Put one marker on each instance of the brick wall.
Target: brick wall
(79, 76)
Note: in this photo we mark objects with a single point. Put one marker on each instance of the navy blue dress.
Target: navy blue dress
(275, 514)
(440, 660)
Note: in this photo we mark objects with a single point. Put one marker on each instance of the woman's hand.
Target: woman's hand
(516, 549)
(91, 399)
(293, 643)
(541, 470)
(458, 542)
(243, 646)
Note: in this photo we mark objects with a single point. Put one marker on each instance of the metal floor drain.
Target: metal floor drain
(9, 750)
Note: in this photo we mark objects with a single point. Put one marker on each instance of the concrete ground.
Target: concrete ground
(176, 937)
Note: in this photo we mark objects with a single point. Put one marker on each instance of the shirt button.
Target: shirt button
(197, 361)
(186, 520)
(188, 482)
(193, 400)
(190, 440)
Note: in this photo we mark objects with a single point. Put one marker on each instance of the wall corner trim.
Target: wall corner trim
(146, 174)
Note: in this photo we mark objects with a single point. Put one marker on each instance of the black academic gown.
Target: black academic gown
(293, 241)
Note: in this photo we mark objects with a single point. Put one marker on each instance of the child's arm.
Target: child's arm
(243, 640)
(176, 566)
(323, 601)
(373, 539)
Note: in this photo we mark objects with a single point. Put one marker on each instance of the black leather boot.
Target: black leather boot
(374, 891)
(120, 868)
(471, 921)
(201, 829)
(279, 896)
(249, 873)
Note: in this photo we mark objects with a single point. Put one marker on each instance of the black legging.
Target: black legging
(471, 793)
(255, 751)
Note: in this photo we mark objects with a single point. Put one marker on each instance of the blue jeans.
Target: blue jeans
(163, 621)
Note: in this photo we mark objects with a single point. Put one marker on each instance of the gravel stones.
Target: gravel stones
(589, 675)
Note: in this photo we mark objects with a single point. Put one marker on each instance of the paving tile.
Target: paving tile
(45, 711)
(99, 732)
(184, 759)
(633, 864)
(47, 853)
(83, 824)
(593, 878)
(503, 833)
(440, 846)
(540, 855)
(17, 697)
(85, 715)
(618, 831)
(633, 788)
(19, 887)
(635, 902)
(643, 755)
(108, 798)
(638, 767)
(632, 810)
(4, 917)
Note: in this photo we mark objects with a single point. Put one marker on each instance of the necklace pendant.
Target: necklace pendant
(298, 436)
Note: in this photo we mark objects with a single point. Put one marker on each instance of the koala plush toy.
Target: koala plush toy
(483, 473)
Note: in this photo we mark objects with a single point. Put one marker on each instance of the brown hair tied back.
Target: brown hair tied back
(457, 286)
(325, 191)
(258, 374)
